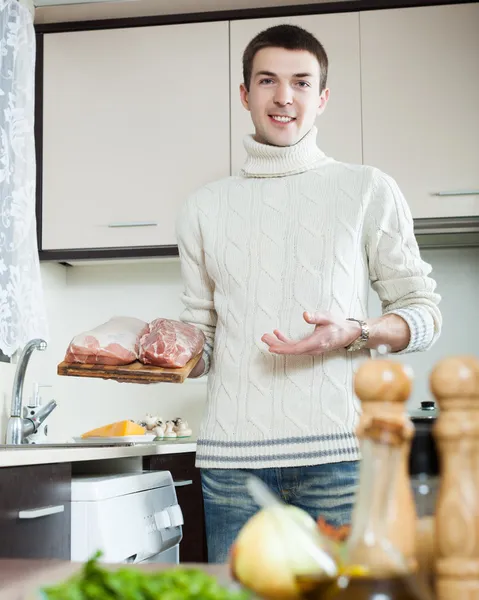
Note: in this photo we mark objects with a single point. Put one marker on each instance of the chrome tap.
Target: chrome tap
(18, 428)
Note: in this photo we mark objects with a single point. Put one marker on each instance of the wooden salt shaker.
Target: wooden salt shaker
(384, 386)
(455, 384)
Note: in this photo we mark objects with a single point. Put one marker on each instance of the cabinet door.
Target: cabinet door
(134, 120)
(339, 127)
(420, 98)
(187, 480)
(35, 515)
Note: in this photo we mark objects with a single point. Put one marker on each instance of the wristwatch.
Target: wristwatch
(360, 342)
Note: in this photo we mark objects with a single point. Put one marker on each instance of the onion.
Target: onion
(267, 554)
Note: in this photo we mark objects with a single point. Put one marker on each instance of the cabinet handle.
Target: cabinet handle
(139, 224)
(183, 482)
(36, 513)
(458, 193)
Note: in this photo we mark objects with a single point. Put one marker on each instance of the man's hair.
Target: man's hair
(289, 37)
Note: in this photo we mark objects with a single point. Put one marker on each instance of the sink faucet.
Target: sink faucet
(18, 429)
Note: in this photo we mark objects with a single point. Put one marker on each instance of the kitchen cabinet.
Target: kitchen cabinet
(420, 99)
(35, 511)
(134, 119)
(187, 480)
(130, 120)
(339, 127)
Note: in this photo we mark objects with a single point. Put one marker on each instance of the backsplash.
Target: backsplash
(81, 297)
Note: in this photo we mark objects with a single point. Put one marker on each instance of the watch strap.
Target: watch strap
(360, 342)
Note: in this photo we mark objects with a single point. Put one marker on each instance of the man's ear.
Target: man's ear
(244, 95)
(323, 100)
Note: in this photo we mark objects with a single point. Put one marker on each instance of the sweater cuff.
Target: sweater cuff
(207, 353)
(421, 327)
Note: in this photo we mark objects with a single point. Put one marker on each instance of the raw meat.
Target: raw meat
(170, 343)
(115, 342)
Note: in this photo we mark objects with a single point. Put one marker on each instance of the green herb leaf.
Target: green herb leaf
(96, 582)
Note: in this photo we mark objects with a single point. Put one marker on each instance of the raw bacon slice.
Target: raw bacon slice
(170, 343)
(115, 342)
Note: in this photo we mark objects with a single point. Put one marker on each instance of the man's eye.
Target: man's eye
(266, 81)
(303, 84)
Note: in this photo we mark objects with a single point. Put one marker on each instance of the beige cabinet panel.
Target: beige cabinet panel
(420, 97)
(339, 127)
(134, 120)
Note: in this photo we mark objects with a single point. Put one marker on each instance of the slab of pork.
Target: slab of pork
(170, 343)
(115, 342)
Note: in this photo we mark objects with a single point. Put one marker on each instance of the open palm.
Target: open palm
(330, 333)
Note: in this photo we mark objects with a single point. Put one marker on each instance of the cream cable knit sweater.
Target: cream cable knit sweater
(295, 231)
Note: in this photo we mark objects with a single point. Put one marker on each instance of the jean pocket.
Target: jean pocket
(225, 485)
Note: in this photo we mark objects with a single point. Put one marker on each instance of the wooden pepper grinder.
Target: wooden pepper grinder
(455, 384)
(383, 386)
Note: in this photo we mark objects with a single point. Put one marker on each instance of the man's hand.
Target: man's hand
(330, 333)
(198, 369)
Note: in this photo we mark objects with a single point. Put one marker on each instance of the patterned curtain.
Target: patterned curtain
(22, 312)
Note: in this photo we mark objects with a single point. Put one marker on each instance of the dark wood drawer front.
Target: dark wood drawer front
(190, 498)
(35, 513)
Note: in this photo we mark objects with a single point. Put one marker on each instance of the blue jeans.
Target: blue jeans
(323, 490)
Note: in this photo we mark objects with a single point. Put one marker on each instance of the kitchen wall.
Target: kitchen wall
(81, 297)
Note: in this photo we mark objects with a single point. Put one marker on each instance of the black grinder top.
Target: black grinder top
(423, 459)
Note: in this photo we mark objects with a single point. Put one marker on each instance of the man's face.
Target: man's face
(283, 97)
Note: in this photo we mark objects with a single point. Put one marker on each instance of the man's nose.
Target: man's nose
(283, 95)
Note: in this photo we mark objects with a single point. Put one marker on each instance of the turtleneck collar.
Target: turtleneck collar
(264, 160)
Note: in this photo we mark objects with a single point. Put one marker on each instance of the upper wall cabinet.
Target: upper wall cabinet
(135, 119)
(339, 128)
(420, 98)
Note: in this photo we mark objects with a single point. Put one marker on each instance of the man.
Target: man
(277, 264)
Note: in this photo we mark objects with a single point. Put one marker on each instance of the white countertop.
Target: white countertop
(37, 455)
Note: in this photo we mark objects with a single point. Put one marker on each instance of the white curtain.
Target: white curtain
(22, 312)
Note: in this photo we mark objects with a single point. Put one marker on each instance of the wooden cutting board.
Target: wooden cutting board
(136, 372)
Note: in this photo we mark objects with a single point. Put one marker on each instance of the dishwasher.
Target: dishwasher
(130, 518)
